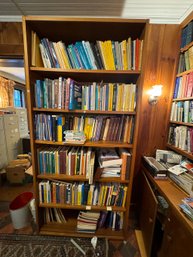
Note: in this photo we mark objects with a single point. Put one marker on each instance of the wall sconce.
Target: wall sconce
(154, 93)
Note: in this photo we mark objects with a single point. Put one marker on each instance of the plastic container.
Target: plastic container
(20, 211)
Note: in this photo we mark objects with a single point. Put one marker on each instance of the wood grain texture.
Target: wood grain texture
(162, 46)
(160, 60)
(11, 39)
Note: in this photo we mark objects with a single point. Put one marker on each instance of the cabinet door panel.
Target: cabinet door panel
(148, 211)
(177, 240)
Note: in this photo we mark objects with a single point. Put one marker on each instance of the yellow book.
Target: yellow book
(104, 54)
(36, 58)
(110, 97)
(109, 50)
(60, 123)
(101, 195)
(79, 194)
(129, 55)
(90, 195)
(104, 195)
(124, 54)
(59, 55)
(132, 97)
(124, 197)
(62, 50)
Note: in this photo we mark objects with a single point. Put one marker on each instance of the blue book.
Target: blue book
(39, 94)
(71, 95)
(83, 55)
(176, 87)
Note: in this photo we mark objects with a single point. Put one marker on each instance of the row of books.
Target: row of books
(181, 137)
(110, 194)
(186, 60)
(66, 160)
(109, 55)
(67, 94)
(182, 111)
(95, 128)
(52, 215)
(90, 221)
(87, 221)
(187, 34)
(81, 161)
(184, 86)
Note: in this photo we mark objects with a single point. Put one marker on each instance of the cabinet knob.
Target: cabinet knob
(169, 238)
(150, 220)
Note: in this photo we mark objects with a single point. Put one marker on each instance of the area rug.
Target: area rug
(49, 246)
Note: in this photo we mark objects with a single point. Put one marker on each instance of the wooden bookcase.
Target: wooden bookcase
(184, 70)
(70, 30)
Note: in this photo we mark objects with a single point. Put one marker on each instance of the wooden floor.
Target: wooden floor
(8, 192)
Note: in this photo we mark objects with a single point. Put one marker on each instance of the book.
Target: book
(108, 157)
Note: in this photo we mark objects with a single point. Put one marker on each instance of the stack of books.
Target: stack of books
(109, 162)
(187, 207)
(73, 136)
(156, 169)
(182, 175)
(87, 221)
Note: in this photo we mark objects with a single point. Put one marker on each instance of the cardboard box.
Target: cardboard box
(15, 174)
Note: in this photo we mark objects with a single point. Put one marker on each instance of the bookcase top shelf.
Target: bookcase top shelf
(88, 144)
(74, 29)
(82, 111)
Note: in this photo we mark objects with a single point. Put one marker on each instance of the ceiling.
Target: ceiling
(158, 11)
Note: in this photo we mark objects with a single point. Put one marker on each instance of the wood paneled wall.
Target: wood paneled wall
(159, 65)
(11, 40)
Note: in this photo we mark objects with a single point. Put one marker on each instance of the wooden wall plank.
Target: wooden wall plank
(160, 61)
(11, 39)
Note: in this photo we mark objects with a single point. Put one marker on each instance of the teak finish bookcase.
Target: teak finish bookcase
(183, 93)
(70, 30)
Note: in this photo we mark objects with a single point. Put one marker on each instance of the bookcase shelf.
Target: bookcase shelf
(83, 207)
(69, 31)
(184, 73)
(182, 123)
(184, 49)
(63, 177)
(88, 144)
(182, 99)
(180, 151)
(82, 111)
(71, 231)
(91, 75)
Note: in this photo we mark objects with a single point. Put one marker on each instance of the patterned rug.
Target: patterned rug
(116, 248)
(49, 246)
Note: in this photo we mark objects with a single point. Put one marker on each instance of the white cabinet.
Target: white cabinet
(13, 127)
